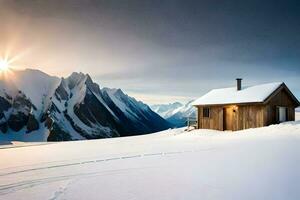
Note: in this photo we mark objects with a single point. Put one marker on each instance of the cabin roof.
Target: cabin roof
(248, 94)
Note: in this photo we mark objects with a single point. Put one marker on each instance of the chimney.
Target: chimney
(239, 83)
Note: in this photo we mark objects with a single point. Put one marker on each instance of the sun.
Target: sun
(4, 65)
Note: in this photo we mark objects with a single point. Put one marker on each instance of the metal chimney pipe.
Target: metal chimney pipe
(239, 83)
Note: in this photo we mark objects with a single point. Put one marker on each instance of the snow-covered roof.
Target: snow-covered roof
(249, 94)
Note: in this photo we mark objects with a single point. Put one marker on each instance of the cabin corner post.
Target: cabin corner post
(199, 117)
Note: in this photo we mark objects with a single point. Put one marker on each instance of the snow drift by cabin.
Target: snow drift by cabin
(238, 108)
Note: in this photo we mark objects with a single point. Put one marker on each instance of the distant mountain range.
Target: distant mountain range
(35, 106)
(175, 113)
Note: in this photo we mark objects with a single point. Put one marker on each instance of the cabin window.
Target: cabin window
(206, 112)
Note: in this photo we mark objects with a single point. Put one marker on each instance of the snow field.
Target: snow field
(260, 163)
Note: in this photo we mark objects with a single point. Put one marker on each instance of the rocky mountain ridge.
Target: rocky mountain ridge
(35, 106)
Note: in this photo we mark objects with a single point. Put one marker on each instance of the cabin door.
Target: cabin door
(227, 118)
(282, 114)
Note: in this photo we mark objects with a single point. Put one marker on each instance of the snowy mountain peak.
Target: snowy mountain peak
(176, 113)
(94, 87)
(37, 86)
(166, 110)
(35, 106)
(32, 72)
(75, 79)
(114, 91)
(120, 92)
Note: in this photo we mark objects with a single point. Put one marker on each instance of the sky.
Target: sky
(156, 50)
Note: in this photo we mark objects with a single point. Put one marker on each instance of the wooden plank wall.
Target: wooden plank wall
(250, 116)
(244, 117)
(215, 121)
(281, 99)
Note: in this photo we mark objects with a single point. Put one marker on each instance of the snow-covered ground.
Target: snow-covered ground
(261, 163)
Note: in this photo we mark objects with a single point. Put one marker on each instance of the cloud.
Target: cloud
(167, 48)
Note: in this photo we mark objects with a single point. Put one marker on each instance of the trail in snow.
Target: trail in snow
(59, 192)
(98, 160)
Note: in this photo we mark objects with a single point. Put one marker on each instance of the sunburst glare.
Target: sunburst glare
(4, 65)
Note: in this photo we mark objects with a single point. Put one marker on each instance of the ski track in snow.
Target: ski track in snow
(5, 189)
(98, 160)
(9, 188)
(25, 184)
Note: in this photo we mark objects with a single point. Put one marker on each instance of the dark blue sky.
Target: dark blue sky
(159, 50)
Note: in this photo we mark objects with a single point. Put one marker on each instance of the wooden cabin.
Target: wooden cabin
(240, 107)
